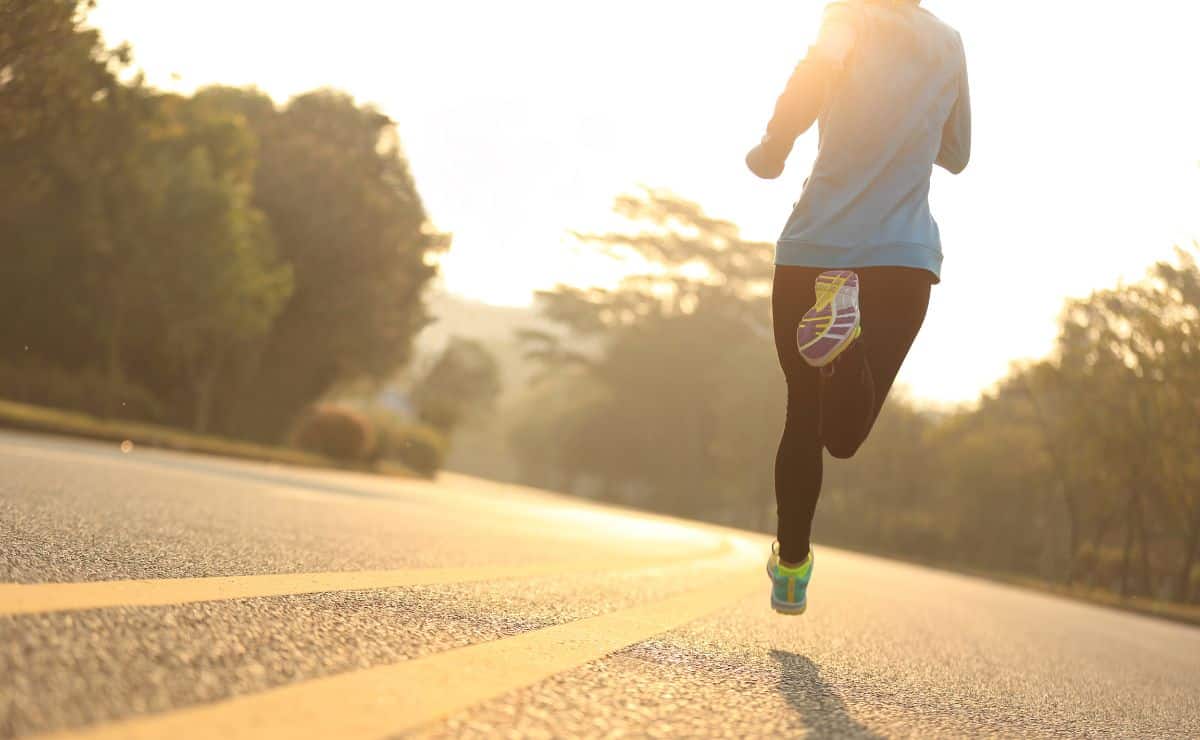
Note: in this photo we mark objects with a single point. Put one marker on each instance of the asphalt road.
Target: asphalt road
(257, 601)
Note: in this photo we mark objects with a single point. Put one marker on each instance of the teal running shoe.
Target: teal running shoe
(789, 586)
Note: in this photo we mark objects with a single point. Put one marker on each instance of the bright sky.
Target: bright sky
(523, 119)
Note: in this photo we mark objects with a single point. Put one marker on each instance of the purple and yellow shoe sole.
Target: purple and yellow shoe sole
(834, 321)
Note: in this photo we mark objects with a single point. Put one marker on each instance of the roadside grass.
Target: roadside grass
(26, 417)
(1184, 613)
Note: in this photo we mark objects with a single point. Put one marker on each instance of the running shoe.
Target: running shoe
(789, 586)
(833, 323)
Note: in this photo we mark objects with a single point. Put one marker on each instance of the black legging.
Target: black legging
(836, 411)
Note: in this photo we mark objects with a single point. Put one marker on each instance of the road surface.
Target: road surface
(153, 594)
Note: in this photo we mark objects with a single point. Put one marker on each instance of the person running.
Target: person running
(857, 258)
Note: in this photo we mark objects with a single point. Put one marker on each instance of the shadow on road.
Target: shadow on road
(815, 700)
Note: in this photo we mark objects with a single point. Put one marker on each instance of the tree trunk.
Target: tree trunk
(1098, 544)
(1060, 472)
(203, 407)
(115, 372)
(1147, 578)
(1127, 556)
(1183, 582)
(1072, 533)
(204, 385)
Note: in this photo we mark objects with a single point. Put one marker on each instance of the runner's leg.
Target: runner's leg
(893, 302)
(798, 468)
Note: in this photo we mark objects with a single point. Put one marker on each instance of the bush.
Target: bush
(335, 432)
(34, 382)
(419, 448)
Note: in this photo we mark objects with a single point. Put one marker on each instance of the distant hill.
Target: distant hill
(481, 448)
(495, 327)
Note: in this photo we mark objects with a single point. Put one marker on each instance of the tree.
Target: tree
(150, 237)
(464, 380)
(53, 76)
(218, 286)
(346, 216)
(69, 135)
(1080, 467)
(1116, 413)
(670, 366)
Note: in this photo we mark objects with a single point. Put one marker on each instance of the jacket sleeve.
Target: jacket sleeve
(955, 151)
(800, 102)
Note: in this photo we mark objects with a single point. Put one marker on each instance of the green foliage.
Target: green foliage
(464, 380)
(217, 284)
(669, 380)
(333, 182)
(233, 257)
(421, 449)
(39, 418)
(1083, 468)
(34, 382)
(54, 79)
(549, 432)
(335, 432)
(68, 131)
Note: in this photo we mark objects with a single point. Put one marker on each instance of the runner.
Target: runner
(888, 82)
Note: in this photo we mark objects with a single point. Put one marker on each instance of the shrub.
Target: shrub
(34, 382)
(419, 448)
(336, 432)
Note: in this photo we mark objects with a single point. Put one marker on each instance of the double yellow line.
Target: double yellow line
(381, 701)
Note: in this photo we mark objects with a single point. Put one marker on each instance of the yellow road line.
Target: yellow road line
(378, 702)
(17, 598)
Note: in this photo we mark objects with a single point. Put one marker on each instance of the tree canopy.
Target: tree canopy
(231, 257)
(1082, 468)
(655, 401)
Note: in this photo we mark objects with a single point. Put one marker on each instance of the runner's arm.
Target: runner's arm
(801, 102)
(956, 133)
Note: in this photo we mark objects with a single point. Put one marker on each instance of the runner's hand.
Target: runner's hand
(767, 159)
